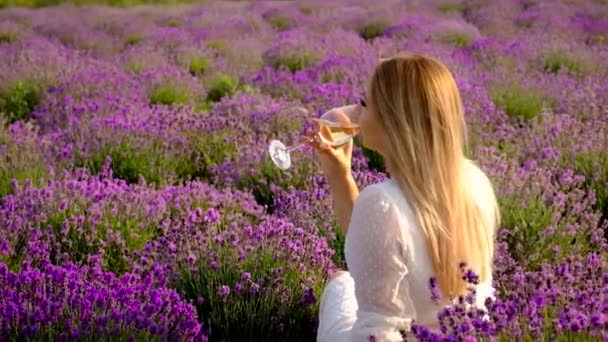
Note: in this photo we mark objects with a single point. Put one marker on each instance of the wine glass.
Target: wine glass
(335, 128)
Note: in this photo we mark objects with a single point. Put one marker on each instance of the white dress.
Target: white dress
(387, 285)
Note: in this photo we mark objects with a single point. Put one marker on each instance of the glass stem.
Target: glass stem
(295, 148)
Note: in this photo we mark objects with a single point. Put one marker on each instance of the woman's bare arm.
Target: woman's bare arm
(344, 192)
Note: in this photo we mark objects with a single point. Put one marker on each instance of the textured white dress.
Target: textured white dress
(387, 285)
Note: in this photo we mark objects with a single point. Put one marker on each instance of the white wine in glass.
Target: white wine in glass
(335, 128)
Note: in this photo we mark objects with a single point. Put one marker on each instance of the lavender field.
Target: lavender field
(138, 201)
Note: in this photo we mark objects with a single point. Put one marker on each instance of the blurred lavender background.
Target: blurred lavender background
(138, 202)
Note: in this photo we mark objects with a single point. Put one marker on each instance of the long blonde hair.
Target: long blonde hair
(419, 105)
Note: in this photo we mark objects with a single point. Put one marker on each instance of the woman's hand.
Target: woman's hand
(335, 162)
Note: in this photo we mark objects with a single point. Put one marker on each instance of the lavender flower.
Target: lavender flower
(123, 182)
(73, 302)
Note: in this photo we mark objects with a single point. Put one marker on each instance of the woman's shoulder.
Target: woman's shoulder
(482, 191)
(376, 194)
(386, 194)
(382, 191)
(475, 171)
(378, 213)
(478, 179)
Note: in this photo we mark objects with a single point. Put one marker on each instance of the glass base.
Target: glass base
(279, 154)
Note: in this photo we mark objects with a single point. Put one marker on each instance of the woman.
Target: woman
(437, 209)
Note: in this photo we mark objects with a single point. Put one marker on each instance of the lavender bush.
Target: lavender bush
(69, 220)
(272, 269)
(81, 303)
(22, 157)
(134, 165)
(558, 302)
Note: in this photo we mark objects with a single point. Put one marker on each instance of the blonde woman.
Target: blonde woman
(435, 211)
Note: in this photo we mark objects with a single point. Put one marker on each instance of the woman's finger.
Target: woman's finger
(349, 147)
(325, 132)
(309, 138)
(316, 143)
(321, 146)
(311, 133)
(306, 139)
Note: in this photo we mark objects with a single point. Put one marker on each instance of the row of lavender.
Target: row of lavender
(138, 201)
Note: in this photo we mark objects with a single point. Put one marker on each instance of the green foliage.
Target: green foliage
(594, 166)
(335, 238)
(198, 65)
(374, 159)
(173, 23)
(18, 101)
(138, 65)
(245, 316)
(20, 161)
(15, 260)
(117, 260)
(29, 3)
(81, 246)
(333, 76)
(222, 85)
(599, 38)
(208, 151)
(27, 169)
(450, 7)
(519, 102)
(458, 39)
(268, 176)
(260, 184)
(117, 3)
(78, 248)
(204, 106)
(216, 44)
(373, 29)
(129, 161)
(280, 124)
(294, 61)
(281, 22)
(306, 9)
(133, 39)
(169, 94)
(157, 164)
(8, 37)
(556, 61)
(527, 218)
